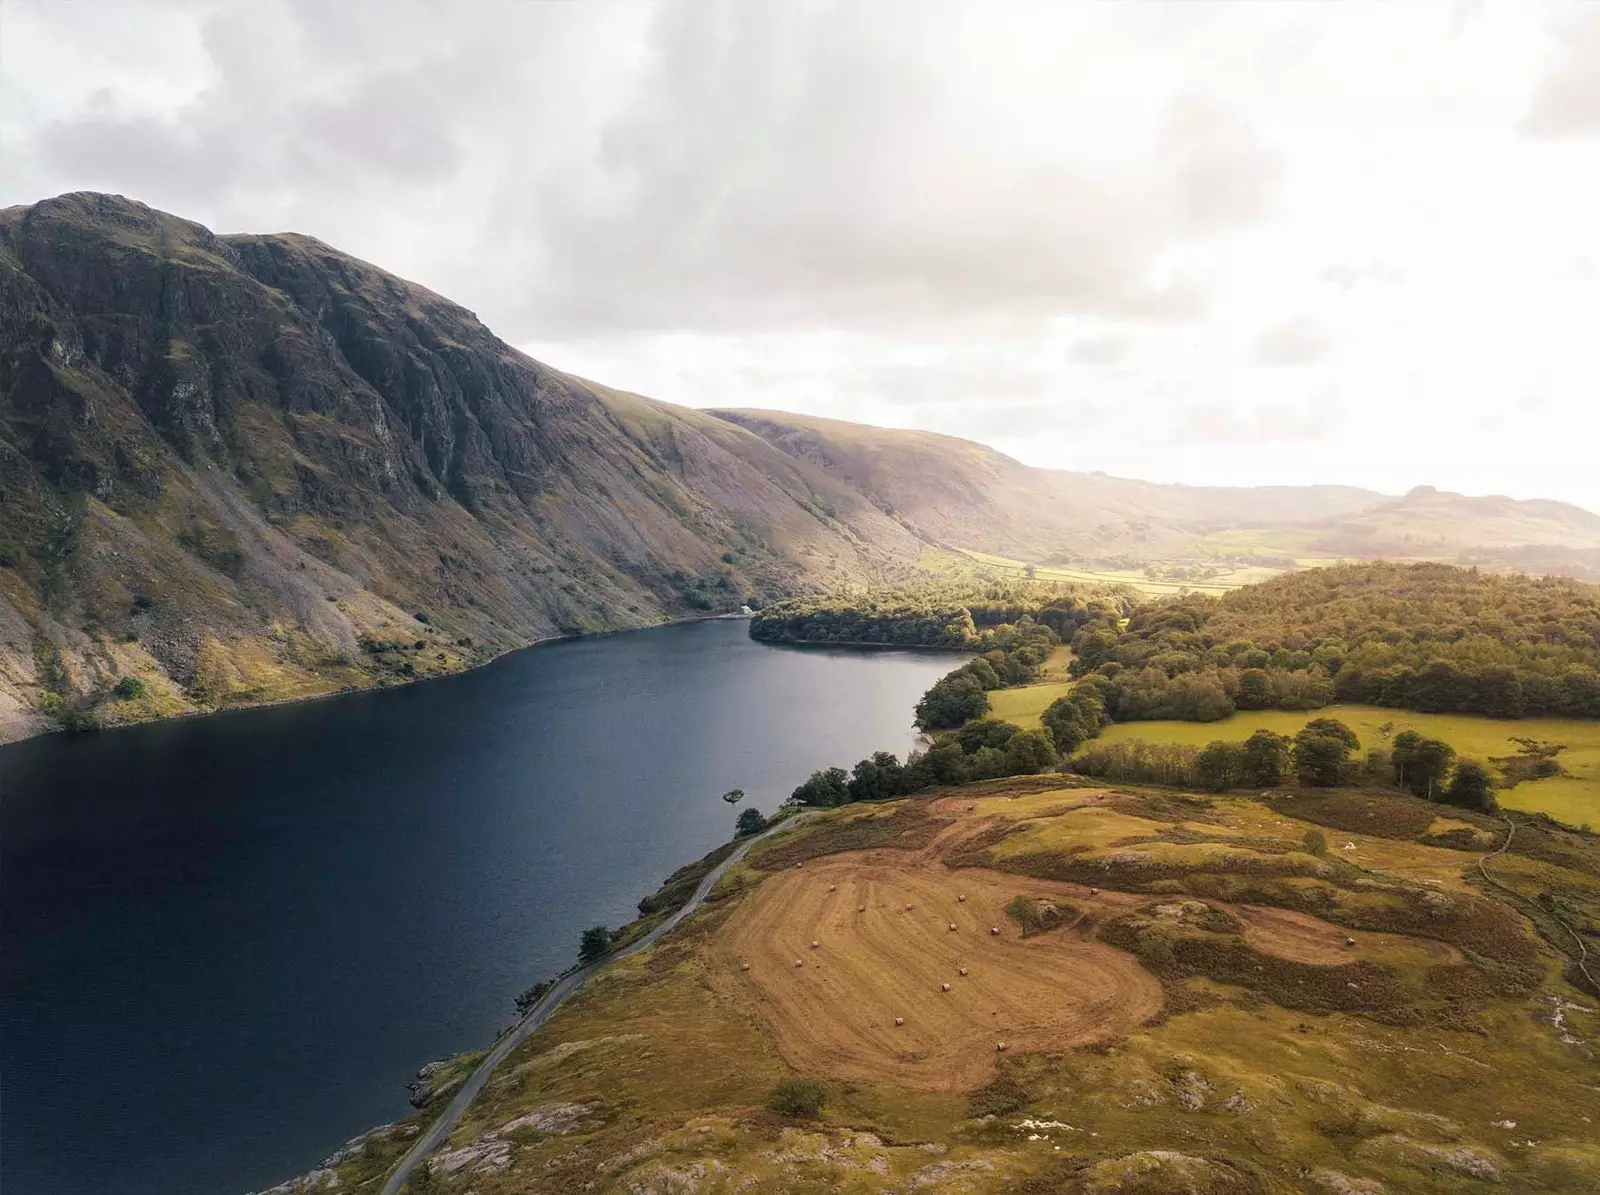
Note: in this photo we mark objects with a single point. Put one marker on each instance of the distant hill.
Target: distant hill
(965, 495)
(1532, 535)
(961, 494)
(242, 468)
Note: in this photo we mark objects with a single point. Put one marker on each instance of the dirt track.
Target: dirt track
(835, 1013)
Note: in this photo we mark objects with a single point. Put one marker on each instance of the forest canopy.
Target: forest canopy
(1427, 637)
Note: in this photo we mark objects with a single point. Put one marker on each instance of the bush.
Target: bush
(1316, 842)
(596, 944)
(799, 1098)
(129, 688)
(749, 821)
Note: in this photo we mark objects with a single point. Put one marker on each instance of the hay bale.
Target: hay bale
(899, 1020)
(961, 900)
(1349, 941)
(908, 906)
(1001, 1046)
(952, 927)
(833, 887)
(815, 943)
(995, 930)
(861, 908)
(799, 962)
(944, 987)
(963, 970)
(1094, 892)
(744, 966)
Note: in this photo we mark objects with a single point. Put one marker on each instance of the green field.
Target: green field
(1574, 799)
(1023, 706)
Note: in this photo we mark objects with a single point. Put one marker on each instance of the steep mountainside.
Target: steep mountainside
(961, 494)
(249, 467)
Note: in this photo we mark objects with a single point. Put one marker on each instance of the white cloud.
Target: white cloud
(1075, 231)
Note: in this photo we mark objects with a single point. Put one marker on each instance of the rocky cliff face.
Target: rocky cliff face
(237, 468)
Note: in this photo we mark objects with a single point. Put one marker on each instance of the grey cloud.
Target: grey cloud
(1567, 102)
(1348, 276)
(1298, 341)
(599, 170)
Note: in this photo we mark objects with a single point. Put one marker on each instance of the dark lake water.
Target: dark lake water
(226, 943)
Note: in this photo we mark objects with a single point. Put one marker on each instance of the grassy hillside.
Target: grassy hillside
(1189, 1000)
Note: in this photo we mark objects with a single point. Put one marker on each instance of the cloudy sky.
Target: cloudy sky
(1258, 242)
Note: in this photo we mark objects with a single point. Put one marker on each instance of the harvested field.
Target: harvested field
(836, 1013)
(1301, 938)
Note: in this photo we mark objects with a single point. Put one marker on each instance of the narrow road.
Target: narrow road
(440, 1129)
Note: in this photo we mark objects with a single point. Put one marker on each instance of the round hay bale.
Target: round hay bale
(899, 1020)
(815, 943)
(1001, 1046)
(952, 927)
(995, 930)
(1094, 892)
(861, 908)
(799, 962)
(944, 987)
(833, 887)
(963, 970)
(961, 900)
(1349, 941)
(744, 966)
(908, 906)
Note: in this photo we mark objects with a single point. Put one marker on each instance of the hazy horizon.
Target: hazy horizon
(1194, 244)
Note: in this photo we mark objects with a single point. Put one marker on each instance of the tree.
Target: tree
(1220, 765)
(1320, 760)
(1336, 728)
(1420, 765)
(733, 796)
(1471, 787)
(1315, 841)
(749, 821)
(876, 778)
(595, 944)
(952, 701)
(1255, 689)
(826, 788)
(1266, 759)
(129, 687)
(1030, 753)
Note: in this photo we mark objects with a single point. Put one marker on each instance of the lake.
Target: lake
(227, 942)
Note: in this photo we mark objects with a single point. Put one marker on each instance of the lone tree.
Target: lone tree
(733, 796)
(750, 821)
(596, 944)
(798, 1098)
(1472, 787)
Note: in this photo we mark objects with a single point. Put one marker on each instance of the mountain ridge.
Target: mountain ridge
(240, 468)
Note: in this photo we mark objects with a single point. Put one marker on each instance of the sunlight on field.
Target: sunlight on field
(1023, 706)
(1574, 799)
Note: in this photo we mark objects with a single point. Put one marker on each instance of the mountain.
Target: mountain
(960, 494)
(1531, 535)
(249, 467)
(244, 468)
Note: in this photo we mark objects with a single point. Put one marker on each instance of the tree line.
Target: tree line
(1324, 754)
(1426, 637)
(954, 615)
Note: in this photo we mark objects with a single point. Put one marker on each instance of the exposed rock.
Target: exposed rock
(1161, 1172)
(551, 1119)
(486, 1155)
(1335, 1183)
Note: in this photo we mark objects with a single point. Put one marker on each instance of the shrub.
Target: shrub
(1316, 842)
(749, 821)
(129, 688)
(595, 944)
(799, 1098)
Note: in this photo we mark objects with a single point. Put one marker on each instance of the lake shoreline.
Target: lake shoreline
(36, 724)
